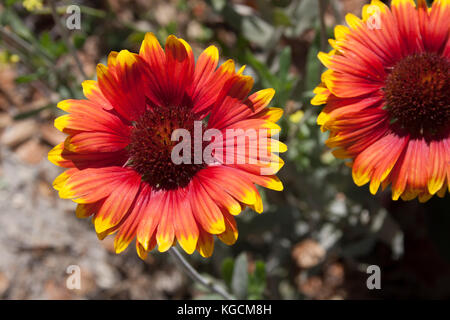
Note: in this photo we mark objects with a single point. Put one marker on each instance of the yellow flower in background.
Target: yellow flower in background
(14, 58)
(296, 116)
(7, 58)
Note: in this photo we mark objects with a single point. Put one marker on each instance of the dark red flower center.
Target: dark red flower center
(151, 147)
(417, 93)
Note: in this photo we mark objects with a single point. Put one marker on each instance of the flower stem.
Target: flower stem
(194, 275)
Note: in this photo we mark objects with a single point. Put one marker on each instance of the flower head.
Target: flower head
(387, 96)
(162, 148)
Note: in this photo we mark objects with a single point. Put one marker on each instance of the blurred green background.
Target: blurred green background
(314, 240)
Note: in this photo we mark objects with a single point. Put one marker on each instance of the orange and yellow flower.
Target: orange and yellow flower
(119, 146)
(387, 96)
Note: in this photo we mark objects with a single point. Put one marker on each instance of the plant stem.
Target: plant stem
(64, 34)
(21, 44)
(194, 275)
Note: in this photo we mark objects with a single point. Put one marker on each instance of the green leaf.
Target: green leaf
(182, 5)
(32, 113)
(239, 282)
(136, 37)
(16, 24)
(257, 30)
(303, 16)
(27, 78)
(285, 63)
(55, 48)
(11, 2)
(78, 40)
(267, 78)
(313, 65)
(286, 80)
(218, 5)
(280, 18)
(227, 270)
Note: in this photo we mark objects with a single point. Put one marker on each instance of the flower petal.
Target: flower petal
(233, 92)
(438, 166)
(152, 207)
(129, 227)
(92, 91)
(93, 184)
(68, 159)
(410, 175)
(205, 244)
(165, 233)
(180, 66)
(233, 183)
(86, 116)
(122, 85)
(376, 162)
(96, 142)
(117, 204)
(185, 227)
(230, 235)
